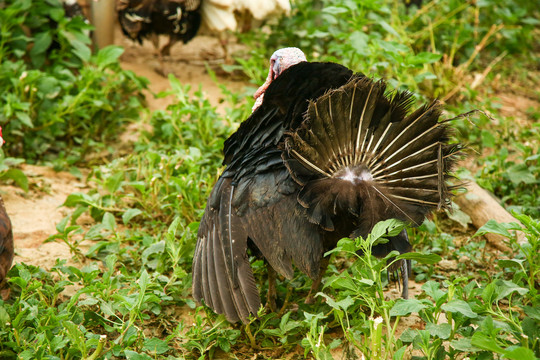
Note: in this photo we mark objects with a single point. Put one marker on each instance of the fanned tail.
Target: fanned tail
(358, 152)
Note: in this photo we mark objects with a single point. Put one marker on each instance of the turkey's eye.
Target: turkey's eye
(273, 68)
(276, 68)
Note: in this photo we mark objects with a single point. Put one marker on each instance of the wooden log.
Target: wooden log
(482, 206)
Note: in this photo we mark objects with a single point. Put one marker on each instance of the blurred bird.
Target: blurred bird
(238, 15)
(179, 19)
(72, 8)
(221, 15)
(6, 236)
(326, 154)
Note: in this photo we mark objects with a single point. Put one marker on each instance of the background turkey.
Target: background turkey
(73, 8)
(6, 236)
(140, 19)
(238, 15)
(326, 155)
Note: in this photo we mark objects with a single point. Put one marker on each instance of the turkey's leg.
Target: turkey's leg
(271, 295)
(310, 299)
(166, 50)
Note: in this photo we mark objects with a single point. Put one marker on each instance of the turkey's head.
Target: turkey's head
(280, 60)
(1, 138)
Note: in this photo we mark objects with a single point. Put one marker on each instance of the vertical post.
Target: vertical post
(103, 17)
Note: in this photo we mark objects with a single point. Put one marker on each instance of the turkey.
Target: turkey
(6, 236)
(140, 19)
(220, 15)
(326, 154)
(238, 15)
(72, 8)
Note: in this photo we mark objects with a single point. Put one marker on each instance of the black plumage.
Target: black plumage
(73, 9)
(179, 19)
(327, 155)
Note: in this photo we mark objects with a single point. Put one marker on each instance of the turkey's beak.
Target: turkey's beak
(1, 141)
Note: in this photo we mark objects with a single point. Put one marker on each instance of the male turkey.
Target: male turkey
(326, 154)
(140, 19)
(6, 236)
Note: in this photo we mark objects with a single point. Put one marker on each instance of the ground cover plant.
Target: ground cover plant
(58, 99)
(127, 291)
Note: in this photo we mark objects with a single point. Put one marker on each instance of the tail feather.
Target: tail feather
(358, 149)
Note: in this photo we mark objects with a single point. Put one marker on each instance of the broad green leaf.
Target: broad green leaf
(109, 221)
(520, 173)
(520, 353)
(107, 309)
(171, 231)
(155, 346)
(405, 307)
(459, 307)
(505, 288)
(488, 139)
(156, 248)
(504, 263)
(113, 182)
(432, 289)
(400, 354)
(344, 283)
(41, 43)
(425, 58)
(533, 312)
(334, 10)
(359, 40)
(488, 293)
(494, 227)
(459, 216)
(74, 199)
(443, 331)
(143, 280)
(387, 228)
(421, 258)
(130, 214)
(18, 177)
(61, 226)
(388, 28)
(531, 328)
(409, 335)
(89, 301)
(485, 342)
(342, 304)
(27, 355)
(108, 55)
(132, 355)
(82, 51)
(4, 317)
(24, 118)
(464, 344)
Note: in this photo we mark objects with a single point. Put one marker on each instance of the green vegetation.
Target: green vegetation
(130, 294)
(58, 101)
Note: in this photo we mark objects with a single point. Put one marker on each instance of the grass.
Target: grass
(129, 293)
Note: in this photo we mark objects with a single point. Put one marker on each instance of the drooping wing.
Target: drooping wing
(222, 276)
(264, 209)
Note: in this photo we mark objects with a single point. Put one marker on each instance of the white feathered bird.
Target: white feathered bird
(220, 15)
